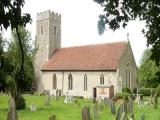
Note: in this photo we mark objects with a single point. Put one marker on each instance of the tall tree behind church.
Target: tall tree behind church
(14, 53)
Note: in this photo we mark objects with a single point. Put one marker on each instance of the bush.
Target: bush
(147, 91)
(135, 91)
(126, 90)
(123, 95)
(20, 102)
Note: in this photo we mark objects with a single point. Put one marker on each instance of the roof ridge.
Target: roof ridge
(90, 45)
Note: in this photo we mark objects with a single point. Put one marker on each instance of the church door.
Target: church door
(94, 93)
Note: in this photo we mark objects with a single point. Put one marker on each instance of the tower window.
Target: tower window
(54, 81)
(70, 82)
(85, 82)
(102, 79)
(55, 30)
(41, 30)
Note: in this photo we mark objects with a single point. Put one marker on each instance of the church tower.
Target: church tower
(48, 38)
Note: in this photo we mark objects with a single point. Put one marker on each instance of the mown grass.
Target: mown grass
(68, 111)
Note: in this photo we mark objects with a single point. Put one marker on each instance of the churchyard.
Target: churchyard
(41, 108)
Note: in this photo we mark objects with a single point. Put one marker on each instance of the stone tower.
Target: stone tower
(48, 38)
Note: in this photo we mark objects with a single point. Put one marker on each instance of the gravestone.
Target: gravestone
(130, 105)
(142, 117)
(60, 93)
(32, 108)
(85, 113)
(99, 100)
(95, 110)
(106, 101)
(155, 101)
(140, 103)
(132, 117)
(124, 116)
(119, 112)
(101, 107)
(151, 97)
(12, 114)
(112, 107)
(125, 106)
(52, 117)
(47, 99)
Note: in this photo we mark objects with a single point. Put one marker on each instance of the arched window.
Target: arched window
(54, 81)
(102, 79)
(85, 82)
(70, 82)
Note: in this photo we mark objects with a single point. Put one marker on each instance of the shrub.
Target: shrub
(135, 91)
(126, 90)
(123, 95)
(20, 102)
(147, 91)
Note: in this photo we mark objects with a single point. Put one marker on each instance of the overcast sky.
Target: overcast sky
(79, 24)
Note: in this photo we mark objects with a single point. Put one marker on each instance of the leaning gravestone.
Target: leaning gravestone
(112, 107)
(47, 100)
(11, 115)
(119, 112)
(142, 117)
(32, 108)
(85, 113)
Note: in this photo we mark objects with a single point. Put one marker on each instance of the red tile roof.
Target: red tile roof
(91, 57)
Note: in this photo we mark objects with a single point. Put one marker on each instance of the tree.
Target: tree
(13, 54)
(147, 73)
(117, 13)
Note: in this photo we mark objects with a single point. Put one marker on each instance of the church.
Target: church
(88, 71)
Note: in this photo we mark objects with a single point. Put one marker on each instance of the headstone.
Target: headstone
(99, 100)
(124, 116)
(130, 105)
(60, 93)
(132, 117)
(112, 107)
(95, 110)
(32, 108)
(68, 99)
(11, 115)
(151, 97)
(155, 101)
(101, 107)
(119, 112)
(85, 113)
(106, 101)
(47, 100)
(52, 117)
(94, 101)
(125, 106)
(140, 104)
(142, 117)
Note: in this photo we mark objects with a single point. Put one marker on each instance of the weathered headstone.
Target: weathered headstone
(151, 97)
(32, 108)
(142, 117)
(95, 110)
(11, 115)
(132, 117)
(125, 106)
(60, 93)
(112, 107)
(155, 101)
(130, 105)
(101, 107)
(119, 112)
(47, 100)
(140, 103)
(52, 117)
(124, 116)
(99, 100)
(85, 113)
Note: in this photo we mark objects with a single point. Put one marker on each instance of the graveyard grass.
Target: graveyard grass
(69, 111)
